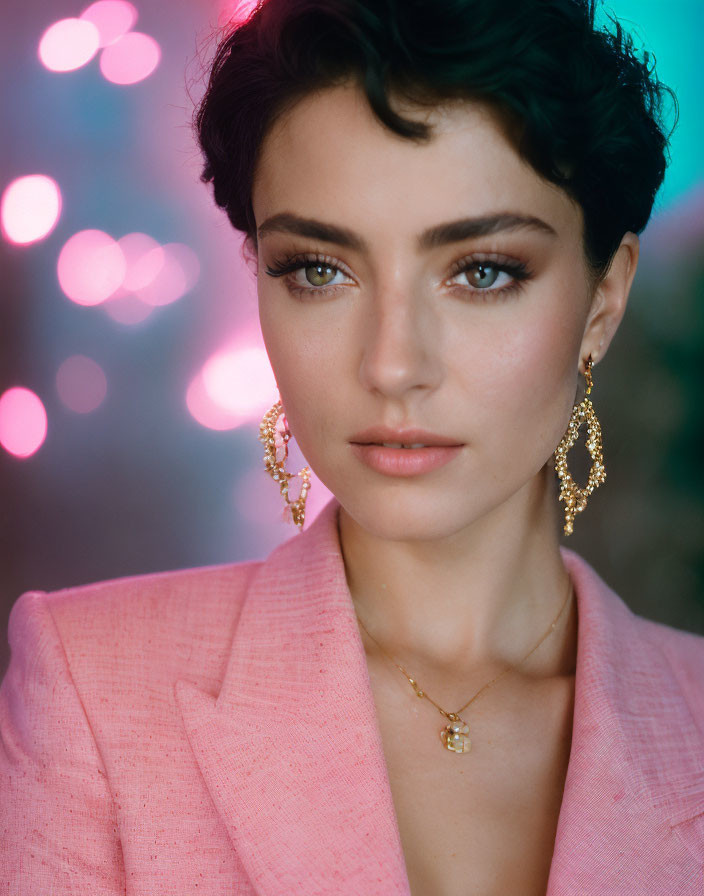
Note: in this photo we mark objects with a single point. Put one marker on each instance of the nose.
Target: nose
(401, 351)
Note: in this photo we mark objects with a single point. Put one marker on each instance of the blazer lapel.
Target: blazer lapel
(290, 750)
(634, 780)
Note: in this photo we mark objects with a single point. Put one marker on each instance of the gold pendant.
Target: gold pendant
(455, 735)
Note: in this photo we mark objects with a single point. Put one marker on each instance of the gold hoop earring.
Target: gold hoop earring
(575, 498)
(274, 461)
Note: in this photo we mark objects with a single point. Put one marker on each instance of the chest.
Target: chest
(481, 823)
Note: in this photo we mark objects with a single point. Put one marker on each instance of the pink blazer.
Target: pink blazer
(213, 731)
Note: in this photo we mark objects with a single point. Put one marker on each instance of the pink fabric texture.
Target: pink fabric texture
(162, 734)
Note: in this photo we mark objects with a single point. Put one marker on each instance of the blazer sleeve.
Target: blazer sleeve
(58, 824)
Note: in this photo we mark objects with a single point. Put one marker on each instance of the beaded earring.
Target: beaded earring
(574, 497)
(275, 441)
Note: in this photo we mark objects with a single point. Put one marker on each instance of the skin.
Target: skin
(456, 572)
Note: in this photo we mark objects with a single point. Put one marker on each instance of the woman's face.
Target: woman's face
(388, 316)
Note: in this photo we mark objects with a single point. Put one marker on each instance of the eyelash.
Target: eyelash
(518, 271)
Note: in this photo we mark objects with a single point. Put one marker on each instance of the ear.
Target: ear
(250, 253)
(610, 299)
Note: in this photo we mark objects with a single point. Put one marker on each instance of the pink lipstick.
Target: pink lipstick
(403, 452)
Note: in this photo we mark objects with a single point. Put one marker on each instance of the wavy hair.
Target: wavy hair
(579, 103)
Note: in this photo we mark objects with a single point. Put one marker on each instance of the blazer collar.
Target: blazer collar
(292, 755)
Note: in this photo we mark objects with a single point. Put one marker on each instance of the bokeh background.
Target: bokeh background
(132, 371)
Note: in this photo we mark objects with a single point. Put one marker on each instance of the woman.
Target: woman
(422, 692)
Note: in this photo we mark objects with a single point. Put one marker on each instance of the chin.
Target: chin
(402, 513)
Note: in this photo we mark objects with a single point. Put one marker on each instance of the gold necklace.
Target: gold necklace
(455, 736)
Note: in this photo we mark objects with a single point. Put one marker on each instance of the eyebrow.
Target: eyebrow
(440, 235)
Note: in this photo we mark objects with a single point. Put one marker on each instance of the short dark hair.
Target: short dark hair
(578, 102)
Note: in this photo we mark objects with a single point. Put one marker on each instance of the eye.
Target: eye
(318, 274)
(483, 275)
(309, 275)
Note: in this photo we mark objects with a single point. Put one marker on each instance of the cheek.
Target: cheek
(523, 380)
(306, 364)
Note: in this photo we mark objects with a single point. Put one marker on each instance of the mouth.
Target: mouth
(404, 458)
(395, 444)
(406, 438)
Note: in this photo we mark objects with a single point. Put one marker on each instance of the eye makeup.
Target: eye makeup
(517, 270)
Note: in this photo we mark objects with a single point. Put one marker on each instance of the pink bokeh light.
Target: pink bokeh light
(112, 18)
(175, 268)
(205, 411)
(68, 44)
(240, 380)
(91, 267)
(81, 384)
(235, 386)
(235, 11)
(132, 57)
(30, 208)
(144, 258)
(23, 422)
(125, 308)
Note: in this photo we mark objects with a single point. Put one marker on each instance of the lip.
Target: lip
(375, 435)
(405, 461)
(436, 452)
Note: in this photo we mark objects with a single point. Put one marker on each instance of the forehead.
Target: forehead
(329, 156)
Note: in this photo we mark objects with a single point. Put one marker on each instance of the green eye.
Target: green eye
(319, 274)
(480, 276)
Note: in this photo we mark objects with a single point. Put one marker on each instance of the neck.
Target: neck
(482, 597)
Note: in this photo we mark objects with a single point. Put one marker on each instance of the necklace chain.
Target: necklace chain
(454, 716)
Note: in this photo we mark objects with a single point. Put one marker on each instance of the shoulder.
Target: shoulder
(682, 647)
(644, 655)
(606, 608)
(684, 654)
(168, 619)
